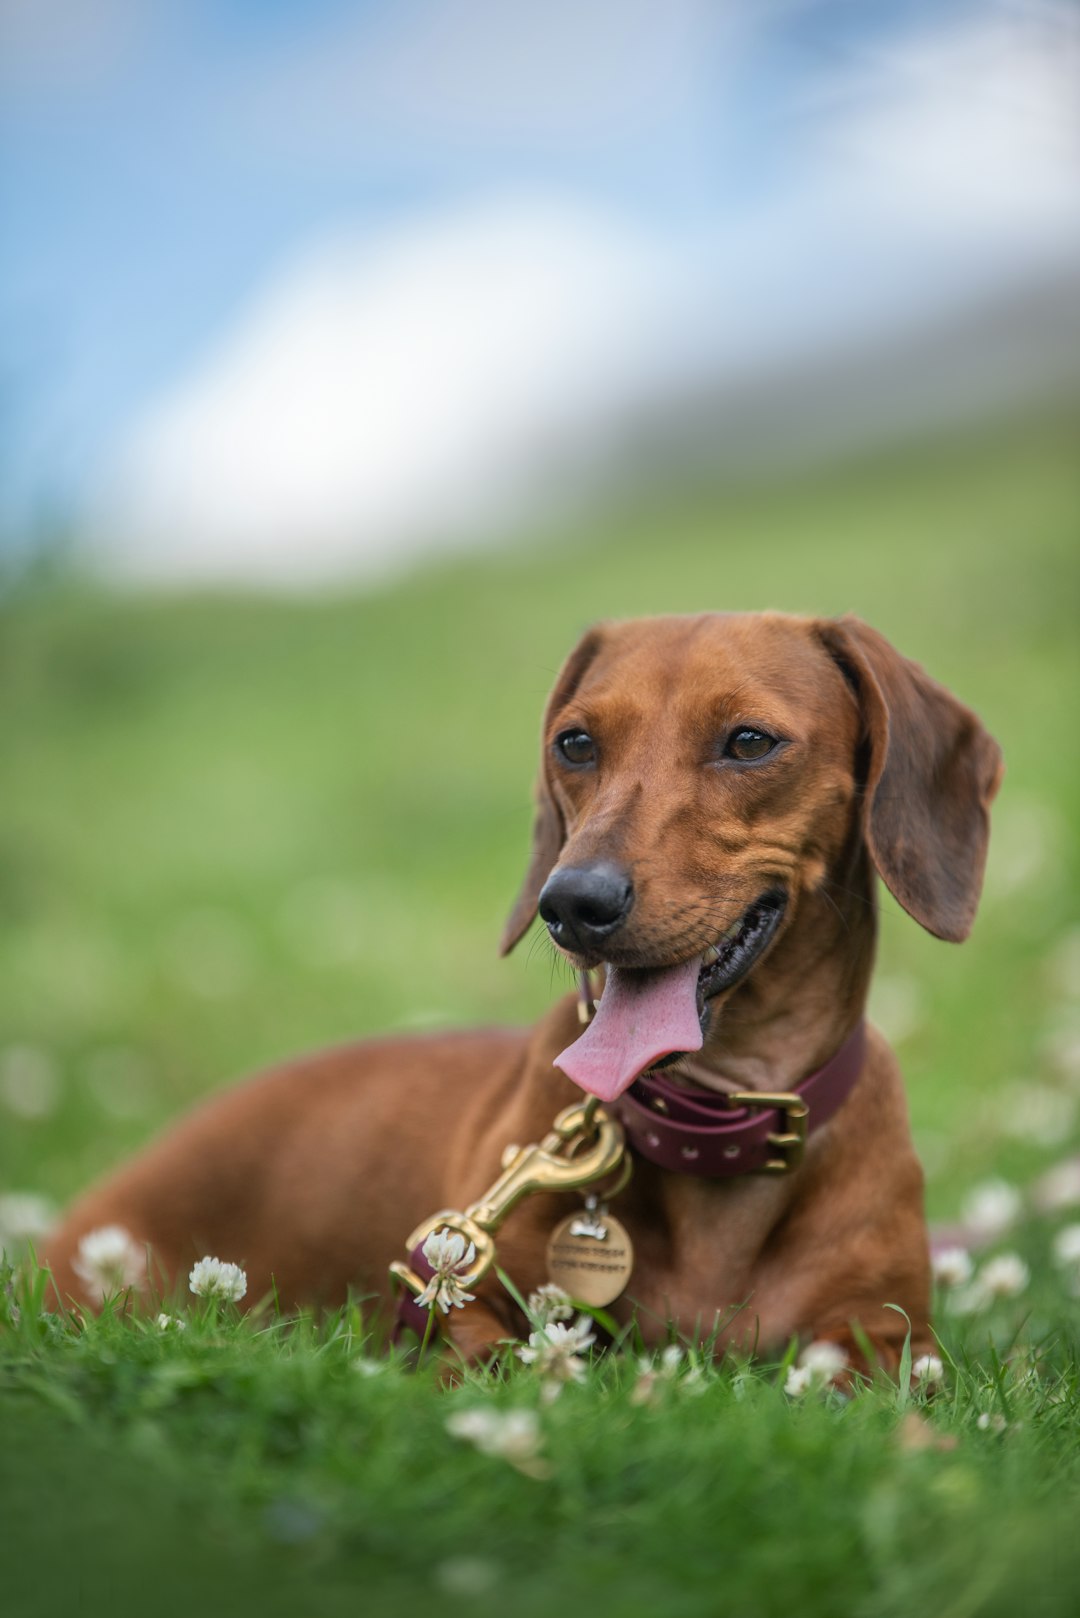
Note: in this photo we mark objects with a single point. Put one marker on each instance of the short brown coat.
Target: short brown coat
(312, 1175)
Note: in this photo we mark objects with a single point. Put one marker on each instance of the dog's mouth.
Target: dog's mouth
(728, 960)
(647, 1014)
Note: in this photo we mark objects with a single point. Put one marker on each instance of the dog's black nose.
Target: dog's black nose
(583, 904)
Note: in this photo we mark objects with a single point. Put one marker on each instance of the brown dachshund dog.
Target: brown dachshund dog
(716, 794)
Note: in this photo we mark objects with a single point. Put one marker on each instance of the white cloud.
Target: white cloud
(436, 381)
(383, 397)
(975, 123)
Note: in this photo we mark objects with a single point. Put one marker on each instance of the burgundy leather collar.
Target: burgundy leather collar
(711, 1134)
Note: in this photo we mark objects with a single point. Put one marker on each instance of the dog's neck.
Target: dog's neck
(795, 1011)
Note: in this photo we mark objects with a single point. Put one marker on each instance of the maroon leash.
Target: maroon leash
(719, 1135)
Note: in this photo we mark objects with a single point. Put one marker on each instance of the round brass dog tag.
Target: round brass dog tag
(591, 1257)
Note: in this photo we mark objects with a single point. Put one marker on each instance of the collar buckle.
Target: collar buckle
(789, 1141)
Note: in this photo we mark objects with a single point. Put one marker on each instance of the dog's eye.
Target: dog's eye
(746, 743)
(576, 746)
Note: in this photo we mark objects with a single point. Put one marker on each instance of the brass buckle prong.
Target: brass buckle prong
(790, 1140)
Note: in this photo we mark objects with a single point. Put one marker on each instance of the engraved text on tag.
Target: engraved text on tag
(593, 1268)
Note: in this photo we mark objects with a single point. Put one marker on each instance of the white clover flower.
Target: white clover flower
(1037, 1113)
(447, 1252)
(556, 1350)
(952, 1266)
(364, 1366)
(170, 1323)
(666, 1365)
(823, 1360)
(1059, 1187)
(466, 1576)
(550, 1302)
(927, 1370)
(24, 1217)
(818, 1364)
(1066, 1246)
(215, 1278)
(109, 1261)
(511, 1435)
(991, 1208)
(651, 1373)
(1005, 1276)
(647, 1387)
(29, 1081)
(967, 1300)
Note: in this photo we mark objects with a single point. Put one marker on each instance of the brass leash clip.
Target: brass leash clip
(584, 1144)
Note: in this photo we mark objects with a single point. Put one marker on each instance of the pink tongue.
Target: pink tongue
(641, 1017)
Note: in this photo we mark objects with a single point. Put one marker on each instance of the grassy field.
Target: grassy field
(264, 1471)
(232, 828)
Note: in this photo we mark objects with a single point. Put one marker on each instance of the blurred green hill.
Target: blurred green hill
(232, 826)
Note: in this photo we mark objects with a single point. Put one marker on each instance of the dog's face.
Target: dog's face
(700, 776)
(711, 768)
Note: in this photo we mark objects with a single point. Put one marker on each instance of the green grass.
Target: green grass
(251, 1466)
(235, 827)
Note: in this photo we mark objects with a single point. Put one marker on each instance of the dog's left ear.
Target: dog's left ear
(931, 776)
(549, 833)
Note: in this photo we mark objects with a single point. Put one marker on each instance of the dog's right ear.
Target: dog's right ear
(549, 833)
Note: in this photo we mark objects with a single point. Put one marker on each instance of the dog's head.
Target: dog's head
(700, 776)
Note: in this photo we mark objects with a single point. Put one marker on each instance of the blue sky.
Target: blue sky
(161, 164)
